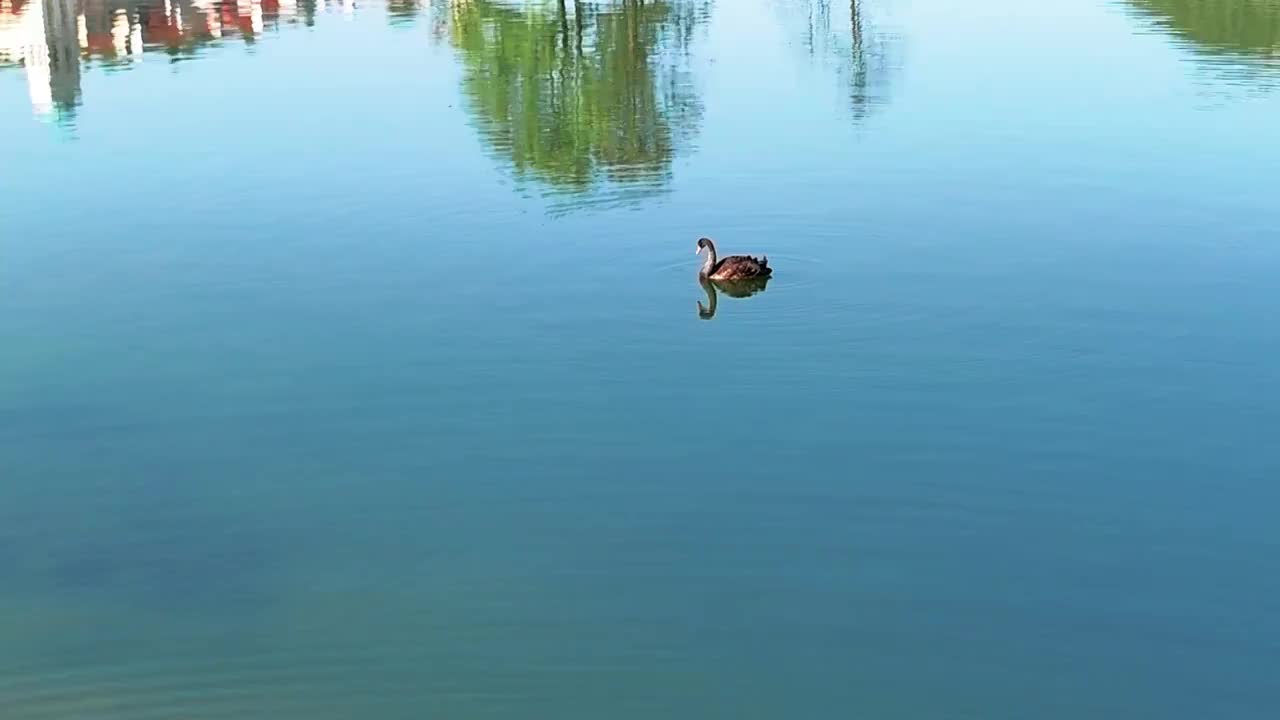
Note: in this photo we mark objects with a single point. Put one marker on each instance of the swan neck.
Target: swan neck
(710, 263)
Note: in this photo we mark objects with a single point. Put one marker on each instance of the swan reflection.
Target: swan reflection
(733, 288)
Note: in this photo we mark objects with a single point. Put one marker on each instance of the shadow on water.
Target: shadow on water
(1237, 40)
(732, 288)
(195, 564)
(591, 101)
(168, 546)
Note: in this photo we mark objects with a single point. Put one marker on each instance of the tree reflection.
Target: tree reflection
(403, 12)
(1241, 26)
(1239, 38)
(843, 34)
(590, 99)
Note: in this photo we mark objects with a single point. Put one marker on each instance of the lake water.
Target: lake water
(353, 362)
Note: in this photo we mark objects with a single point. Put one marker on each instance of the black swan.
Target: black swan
(734, 267)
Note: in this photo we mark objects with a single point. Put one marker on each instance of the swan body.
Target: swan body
(733, 267)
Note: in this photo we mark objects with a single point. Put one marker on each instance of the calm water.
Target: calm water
(352, 362)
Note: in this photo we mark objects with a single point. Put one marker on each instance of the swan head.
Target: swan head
(703, 244)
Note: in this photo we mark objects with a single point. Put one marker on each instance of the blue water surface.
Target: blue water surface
(352, 363)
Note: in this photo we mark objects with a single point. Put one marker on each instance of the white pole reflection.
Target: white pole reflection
(135, 38)
(120, 32)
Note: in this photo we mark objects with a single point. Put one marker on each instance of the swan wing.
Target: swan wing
(741, 266)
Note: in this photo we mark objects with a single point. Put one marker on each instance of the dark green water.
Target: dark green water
(352, 363)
